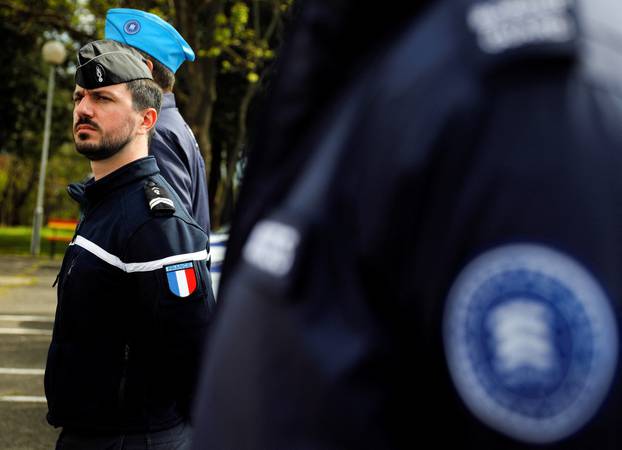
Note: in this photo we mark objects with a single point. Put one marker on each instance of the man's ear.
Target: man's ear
(150, 116)
(149, 64)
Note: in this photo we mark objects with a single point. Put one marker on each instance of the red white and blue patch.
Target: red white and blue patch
(181, 278)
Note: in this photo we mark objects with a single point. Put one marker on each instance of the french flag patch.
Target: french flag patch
(181, 278)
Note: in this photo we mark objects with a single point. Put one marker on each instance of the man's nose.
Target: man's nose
(84, 108)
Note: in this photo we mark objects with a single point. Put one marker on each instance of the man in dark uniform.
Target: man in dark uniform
(173, 145)
(134, 294)
(426, 251)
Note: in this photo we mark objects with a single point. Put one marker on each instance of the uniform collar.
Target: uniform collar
(92, 191)
(168, 101)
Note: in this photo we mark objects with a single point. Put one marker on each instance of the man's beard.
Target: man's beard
(108, 146)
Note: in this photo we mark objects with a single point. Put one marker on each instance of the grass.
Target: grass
(16, 240)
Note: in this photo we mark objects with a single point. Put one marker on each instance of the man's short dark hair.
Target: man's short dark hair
(145, 94)
(161, 74)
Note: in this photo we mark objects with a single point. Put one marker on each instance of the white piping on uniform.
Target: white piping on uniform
(146, 266)
(99, 56)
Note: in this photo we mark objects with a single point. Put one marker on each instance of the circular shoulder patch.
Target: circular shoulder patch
(531, 342)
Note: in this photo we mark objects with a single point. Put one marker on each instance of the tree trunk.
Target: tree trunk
(197, 87)
(214, 176)
(225, 194)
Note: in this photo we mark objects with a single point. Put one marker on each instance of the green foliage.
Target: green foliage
(64, 167)
(24, 28)
(239, 43)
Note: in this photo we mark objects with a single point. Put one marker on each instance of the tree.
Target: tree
(245, 43)
(23, 30)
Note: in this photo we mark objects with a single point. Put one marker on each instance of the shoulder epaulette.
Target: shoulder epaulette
(516, 31)
(158, 199)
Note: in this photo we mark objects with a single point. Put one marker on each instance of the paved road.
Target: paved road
(27, 303)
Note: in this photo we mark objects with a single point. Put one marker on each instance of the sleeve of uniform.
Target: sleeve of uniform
(174, 165)
(171, 281)
(183, 167)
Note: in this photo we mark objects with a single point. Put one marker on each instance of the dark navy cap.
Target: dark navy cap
(104, 63)
(149, 33)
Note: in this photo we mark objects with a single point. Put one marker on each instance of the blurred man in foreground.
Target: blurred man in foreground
(427, 249)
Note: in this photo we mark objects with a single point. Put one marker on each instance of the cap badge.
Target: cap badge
(99, 72)
(131, 26)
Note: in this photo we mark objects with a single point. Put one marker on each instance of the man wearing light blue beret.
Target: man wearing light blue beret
(173, 144)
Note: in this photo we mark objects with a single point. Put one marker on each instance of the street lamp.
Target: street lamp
(53, 53)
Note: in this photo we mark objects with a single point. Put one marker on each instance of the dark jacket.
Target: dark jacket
(180, 161)
(134, 301)
(465, 174)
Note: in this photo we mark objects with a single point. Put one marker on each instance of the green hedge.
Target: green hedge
(16, 241)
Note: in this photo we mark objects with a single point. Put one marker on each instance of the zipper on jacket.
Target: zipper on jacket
(126, 358)
(75, 233)
(61, 269)
(62, 277)
(72, 264)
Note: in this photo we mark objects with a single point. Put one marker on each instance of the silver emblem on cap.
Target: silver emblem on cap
(99, 72)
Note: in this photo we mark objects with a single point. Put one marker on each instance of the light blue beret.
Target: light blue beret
(149, 33)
